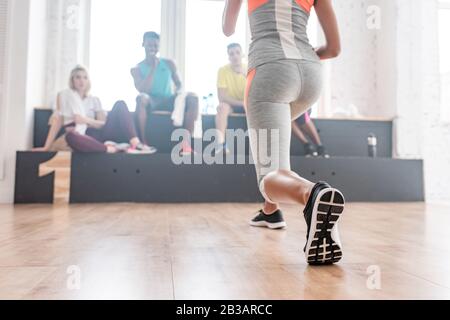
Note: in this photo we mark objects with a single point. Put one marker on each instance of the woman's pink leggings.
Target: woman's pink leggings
(119, 127)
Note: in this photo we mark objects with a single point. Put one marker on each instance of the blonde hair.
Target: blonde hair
(73, 73)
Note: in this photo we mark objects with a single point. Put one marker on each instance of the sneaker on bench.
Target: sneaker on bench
(142, 149)
(120, 147)
(186, 150)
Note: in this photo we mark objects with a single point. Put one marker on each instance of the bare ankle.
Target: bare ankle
(270, 208)
(307, 193)
(134, 142)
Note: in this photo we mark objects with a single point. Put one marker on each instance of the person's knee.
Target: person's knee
(120, 106)
(268, 178)
(264, 185)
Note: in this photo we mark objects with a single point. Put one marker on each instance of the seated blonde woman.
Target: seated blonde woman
(87, 126)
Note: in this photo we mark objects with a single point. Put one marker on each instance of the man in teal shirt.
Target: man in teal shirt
(156, 78)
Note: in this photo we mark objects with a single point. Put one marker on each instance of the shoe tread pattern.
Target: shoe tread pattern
(324, 250)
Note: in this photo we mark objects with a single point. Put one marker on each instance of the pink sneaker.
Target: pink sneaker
(187, 150)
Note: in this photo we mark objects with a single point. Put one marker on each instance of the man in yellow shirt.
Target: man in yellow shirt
(231, 84)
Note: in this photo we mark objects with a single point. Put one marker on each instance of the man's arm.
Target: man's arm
(175, 75)
(224, 97)
(142, 84)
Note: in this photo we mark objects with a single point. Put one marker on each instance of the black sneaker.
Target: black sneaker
(323, 210)
(322, 152)
(273, 221)
(309, 150)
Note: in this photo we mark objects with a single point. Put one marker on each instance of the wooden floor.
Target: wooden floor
(208, 251)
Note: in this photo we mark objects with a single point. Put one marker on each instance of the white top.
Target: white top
(72, 104)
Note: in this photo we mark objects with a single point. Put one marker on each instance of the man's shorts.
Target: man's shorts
(160, 103)
(238, 109)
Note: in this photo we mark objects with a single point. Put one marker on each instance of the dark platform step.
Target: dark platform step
(29, 187)
(97, 178)
(342, 138)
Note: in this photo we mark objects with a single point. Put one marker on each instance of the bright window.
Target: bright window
(117, 27)
(206, 46)
(444, 43)
(444, 52)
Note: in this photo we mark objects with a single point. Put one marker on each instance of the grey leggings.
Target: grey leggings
(278, 93)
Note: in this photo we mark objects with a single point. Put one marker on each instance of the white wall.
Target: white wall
(436, 134)
(25, 82)
(364, 75)
(4, 19)
(419, 129)
(37, 53)
(356, 64)
(393, 72)
(17, 115)
(386, 59)
(67, 41)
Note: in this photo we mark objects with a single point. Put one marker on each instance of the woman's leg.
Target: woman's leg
(192, 110)
(143, 101)
(323, 204)
(84, 143)
(285, 186)
(270, 125)
(119, 125)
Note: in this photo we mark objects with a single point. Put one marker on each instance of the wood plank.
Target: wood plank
(208, 251)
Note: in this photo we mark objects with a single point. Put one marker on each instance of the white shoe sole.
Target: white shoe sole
(265, 224)
(142, 152)
(323, 247)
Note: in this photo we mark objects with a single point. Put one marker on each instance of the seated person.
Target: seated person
(154, 79)
(87, 127)
(231, 84)
(305, 125)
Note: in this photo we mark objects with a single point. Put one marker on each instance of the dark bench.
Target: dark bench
(98, 178)
(127, 178)
(342, 138)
